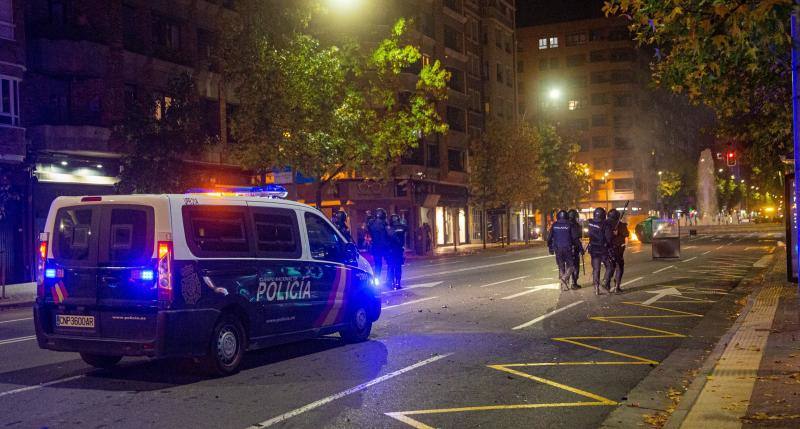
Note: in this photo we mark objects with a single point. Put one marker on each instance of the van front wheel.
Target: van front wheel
(227, 346)
(358, 327)
(100, 361)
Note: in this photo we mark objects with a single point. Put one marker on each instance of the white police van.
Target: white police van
(203, 275)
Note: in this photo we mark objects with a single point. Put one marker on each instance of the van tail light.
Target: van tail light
(41, 260)
(164, 269)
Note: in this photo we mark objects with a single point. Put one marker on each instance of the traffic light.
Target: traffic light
(730, 158)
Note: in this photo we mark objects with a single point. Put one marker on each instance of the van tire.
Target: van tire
(358, 326)
(100, 361)
(227, 347)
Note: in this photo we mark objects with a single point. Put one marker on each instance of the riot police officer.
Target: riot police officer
(378, 231)
(616, 232)
(578, 253)
(340, 221)
(562, 242)
(598, 247)
(395, 257)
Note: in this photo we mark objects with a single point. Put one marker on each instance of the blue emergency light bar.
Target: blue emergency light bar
(267, 191)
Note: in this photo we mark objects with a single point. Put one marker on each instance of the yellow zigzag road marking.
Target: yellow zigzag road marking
(597, 400)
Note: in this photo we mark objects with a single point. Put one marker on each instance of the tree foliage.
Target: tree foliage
(670, 185)
(160, 133)
(7, 193)
(568, 181)
(732, 55)
(505, 165)
(325, 107)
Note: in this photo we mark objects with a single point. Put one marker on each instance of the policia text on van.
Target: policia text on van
(197, 275)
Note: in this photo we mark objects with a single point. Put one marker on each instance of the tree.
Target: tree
(7, 193)
(161, 132)
(568, 181)
(324, 108)
(733, 56)
(669, 188)
(505, 166)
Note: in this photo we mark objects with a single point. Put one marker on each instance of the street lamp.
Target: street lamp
(605, 185)
(658, 192)
(554, 94)
(344, 5)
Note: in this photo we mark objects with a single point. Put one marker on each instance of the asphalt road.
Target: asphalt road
(484, 340)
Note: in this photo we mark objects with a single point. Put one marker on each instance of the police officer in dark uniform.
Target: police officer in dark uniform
(562, 242)
(378, 230)
(396, 255)
(598, 247)
(616, 232)
(573, 220)
(340, 221)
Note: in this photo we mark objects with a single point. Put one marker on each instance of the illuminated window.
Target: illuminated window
(553, 42)
(9, 101)
(543, 43)
(576, 104)
(162, 104)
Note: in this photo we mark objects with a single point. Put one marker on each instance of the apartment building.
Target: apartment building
(590, 79)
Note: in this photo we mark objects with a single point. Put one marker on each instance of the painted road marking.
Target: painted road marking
(663, 269)
(409, 302)
(707, 252)
(16, 320)
(631, 281)
(763, 262)
(690, 247)
(720, 247)
(545, 316)
(316, 404)
(17, 340)
(479, 267)
(690, 259)
(505, 281)
(39, 386)
(671, 291)
(532, 289)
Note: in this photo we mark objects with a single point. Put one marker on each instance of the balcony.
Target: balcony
(86, 139)
(84, 58)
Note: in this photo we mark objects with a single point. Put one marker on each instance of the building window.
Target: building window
(454, 5)
(166, 33)
(205, 44)
(130, 94)
(578, 81)
(621, 143)
(576, 60)
(473, 30)
(623, 185)
(543, 43)
(474, 100)
(621, 76)
(575, 39)
(474, 65)
(599, 77)
(623, 100)
(622, 164)
(578, 124)
(520, 66)
(57, 12)
(509, 77)
(597, 56)
(576, 104)
(453, 39)
(622, 55)
(433, 155)
(619, 33)
(599, 99)
(596, 35)
(599, 142)
(553, 42)
(161, 105)
(455, 160)
(9, 101)
(457, 80)
(499, 72)
(456, 118)
(6, 20)
(498, 37)
(599, 120)
(426, 24)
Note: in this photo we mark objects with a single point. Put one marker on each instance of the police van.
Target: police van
(202, 275)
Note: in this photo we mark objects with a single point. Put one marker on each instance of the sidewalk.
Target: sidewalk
(753, 378)
(17, 295)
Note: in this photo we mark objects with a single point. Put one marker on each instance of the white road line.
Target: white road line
(478, 267)
(631, 281)
(409, 302)
(16, 320)
(720, 247)
(545, 316)
(316, 404)
(421, 285)
(17, 340)
(689, 247)
(637, 251)
(690, 259)
(707, 252)
(553, 286)
(663, 269)
(39, 386)
(505, 281)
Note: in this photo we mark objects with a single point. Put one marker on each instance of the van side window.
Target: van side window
(73, 235)
(277, 234)
(216, 231)
(324, 242)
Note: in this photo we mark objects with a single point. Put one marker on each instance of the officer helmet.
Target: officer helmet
(394, 219)
(562, 215)
(599, 214)
(573, 215)
(613, 214)
(380, 214)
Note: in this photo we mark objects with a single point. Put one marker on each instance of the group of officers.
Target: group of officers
(607, 235)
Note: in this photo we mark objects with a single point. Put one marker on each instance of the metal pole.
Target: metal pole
(795, 117)
(3, 273)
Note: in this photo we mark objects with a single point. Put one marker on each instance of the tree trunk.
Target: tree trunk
(508, 224)
(318, 195)
(483, 224)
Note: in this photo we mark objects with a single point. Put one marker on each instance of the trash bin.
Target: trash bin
(644, 229)
(666, 239)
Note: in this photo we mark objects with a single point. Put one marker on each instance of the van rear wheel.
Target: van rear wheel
(227, 347)
(358, 327)
(100, 361)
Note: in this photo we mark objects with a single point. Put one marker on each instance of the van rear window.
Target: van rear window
(128, 236)
(74, 240)
(216, 231)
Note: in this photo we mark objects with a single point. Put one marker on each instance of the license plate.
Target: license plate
(69, 321)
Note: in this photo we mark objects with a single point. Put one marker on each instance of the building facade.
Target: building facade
(13, 148)
(590, 79)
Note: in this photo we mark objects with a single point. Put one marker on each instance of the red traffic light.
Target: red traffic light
(731, 158)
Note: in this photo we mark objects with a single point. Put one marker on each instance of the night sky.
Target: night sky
(539, 12)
